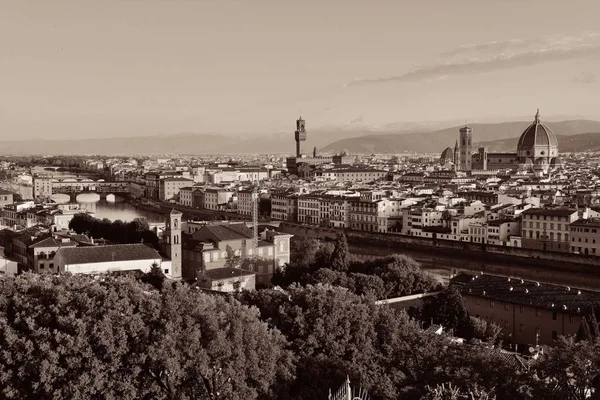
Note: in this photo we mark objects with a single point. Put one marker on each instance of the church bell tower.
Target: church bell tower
(172, 241)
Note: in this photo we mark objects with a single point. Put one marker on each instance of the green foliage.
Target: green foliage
(313, 262)
(448, 310)
(232, 261)
(154, 277)
(340, 258)
(136, 231)
(568, 371)
(73, 337)
(334, 332)
(486, 331)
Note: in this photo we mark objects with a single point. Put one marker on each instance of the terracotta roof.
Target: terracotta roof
(560, 212)
(535, 294)
(51, 242)
(99, 254)
(229, 232)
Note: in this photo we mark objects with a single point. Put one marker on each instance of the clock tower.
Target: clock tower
(172, 241)
(299, 136)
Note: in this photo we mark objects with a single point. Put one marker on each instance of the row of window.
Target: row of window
(522, 309)
(546, 218)
(584, 230)
(544, 226)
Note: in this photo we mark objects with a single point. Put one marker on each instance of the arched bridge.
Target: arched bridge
(73, 186)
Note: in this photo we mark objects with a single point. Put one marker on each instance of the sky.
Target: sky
(122, 68)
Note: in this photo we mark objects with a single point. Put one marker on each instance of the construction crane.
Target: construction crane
(255, 221)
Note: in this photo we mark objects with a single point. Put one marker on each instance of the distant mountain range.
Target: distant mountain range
(501, 136)
(397, 138)
(183, 143)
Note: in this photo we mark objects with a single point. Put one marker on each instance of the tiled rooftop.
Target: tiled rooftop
(536, 294)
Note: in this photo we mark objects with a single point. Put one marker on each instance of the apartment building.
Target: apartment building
(500, 231)
(206, 249)
(529, 313)
(585, 236)
(42, 186)
(383, 215)
(186, 197)
(355, 175)
(169, 188)
(216, 199)
(309, 209)
(41, 253)
(6, 198)
(284, 207)
(547, 229)
(152, 180)
(340, 210)
(244, 205)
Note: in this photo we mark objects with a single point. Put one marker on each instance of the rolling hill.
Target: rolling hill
(439, 140)
(353, 139)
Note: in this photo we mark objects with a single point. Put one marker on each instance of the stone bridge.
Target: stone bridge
(75, 186)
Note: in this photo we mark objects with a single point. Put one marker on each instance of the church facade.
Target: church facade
(537, 152)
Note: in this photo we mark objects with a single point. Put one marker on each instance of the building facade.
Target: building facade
(529, 313)
(547, 229)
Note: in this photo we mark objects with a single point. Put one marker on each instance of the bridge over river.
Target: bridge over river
(75, 186)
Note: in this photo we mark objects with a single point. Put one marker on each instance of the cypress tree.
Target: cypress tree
(340, 258)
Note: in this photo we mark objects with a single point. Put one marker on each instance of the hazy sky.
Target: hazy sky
(107, 68)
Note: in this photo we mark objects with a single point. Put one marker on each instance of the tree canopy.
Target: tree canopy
(314, 262)
(136, 231)
(73, 337)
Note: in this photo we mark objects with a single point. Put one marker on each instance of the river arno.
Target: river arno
(113, 210)
(443, 266)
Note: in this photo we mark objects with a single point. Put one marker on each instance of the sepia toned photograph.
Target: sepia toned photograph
(318, 200)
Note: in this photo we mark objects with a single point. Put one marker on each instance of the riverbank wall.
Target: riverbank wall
(475, 251)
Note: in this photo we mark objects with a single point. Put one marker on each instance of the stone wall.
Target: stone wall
(555, 260)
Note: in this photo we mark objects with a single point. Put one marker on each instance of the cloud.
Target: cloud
(586, 78)
(498, 56)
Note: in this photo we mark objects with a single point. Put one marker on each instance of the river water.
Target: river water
(113, 208)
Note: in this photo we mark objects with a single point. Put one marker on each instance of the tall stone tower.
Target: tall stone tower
(299, 135)
(172, 241)
(466, 149)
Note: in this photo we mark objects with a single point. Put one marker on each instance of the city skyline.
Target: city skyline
(124, 70)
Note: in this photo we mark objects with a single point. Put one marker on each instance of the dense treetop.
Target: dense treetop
(136, 231)
(72, 337)
(314, 262)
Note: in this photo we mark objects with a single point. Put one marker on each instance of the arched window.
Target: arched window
(176, 239)
(515, 243)
(552, 236)
(558, 236)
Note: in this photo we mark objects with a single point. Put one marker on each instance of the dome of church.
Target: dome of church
(447, 156)
(537, 135)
